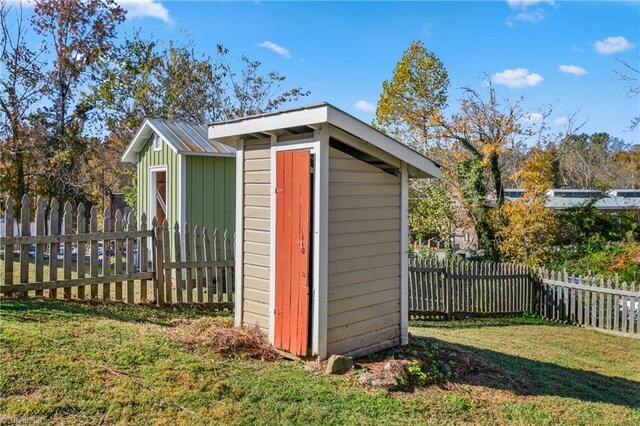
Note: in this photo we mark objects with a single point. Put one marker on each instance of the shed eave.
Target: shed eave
(131, 153)
(316, 115)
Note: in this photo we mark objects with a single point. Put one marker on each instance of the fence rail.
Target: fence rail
(439, 288)
(131, 262)
(606, 305)
(199, 270)
(124, 261)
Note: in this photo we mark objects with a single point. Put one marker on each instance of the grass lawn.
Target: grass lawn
(78, 363)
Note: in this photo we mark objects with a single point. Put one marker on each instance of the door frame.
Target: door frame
(319, 149)
(152, 191)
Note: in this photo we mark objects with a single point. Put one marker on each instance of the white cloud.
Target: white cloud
(533, 17)
(146, 9)
(561, 121)
(572, 69)
(534, 117)
(275, 48)
(522, 4)
(517, 78)
(612, 45)
(364, 106)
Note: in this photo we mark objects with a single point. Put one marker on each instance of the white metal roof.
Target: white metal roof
(181, 136)
(310, 117)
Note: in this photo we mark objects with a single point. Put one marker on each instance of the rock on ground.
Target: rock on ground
(338, 364)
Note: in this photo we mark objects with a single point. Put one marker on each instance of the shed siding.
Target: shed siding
(210, 193)
(257, 214)
(164, 157)
(364, 257)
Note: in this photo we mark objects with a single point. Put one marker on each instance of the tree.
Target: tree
(596, 161)
(21, 89)
(478, 148)
(141, 79)
(78, 34)
(530, 228)
(430, 211)
(630, 74)
(416, 93)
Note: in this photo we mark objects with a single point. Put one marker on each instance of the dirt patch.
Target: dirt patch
(224, 338)
(425, 362)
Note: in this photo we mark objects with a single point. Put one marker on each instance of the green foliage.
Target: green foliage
(598, 241)
(131, 194)
(413, 97)
(430, 210)
(471, 174)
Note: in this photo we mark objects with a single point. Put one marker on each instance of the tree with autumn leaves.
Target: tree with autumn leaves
(69, 109)
(484, 147)
(530, 229)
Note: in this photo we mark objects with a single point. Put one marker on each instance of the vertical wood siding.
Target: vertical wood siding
(257, 214)
(210, 192)
(164, 157)
(364, 257)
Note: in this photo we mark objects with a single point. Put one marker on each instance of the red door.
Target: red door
(293, 202)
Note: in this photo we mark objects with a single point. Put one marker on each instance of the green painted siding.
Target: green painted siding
(164, 157)
(209, 192)
(211, 189)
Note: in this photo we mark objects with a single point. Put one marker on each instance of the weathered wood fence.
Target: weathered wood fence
(125, 261)
(606, 305)
(447, 289)
(197, 270)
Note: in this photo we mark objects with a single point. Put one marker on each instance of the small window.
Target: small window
(157, 143)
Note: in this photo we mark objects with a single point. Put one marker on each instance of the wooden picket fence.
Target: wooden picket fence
(449, 289)
(606, 305)
(125, 261)
(195, 271)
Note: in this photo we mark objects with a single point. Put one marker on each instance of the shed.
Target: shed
(182, 176)
(322, 199)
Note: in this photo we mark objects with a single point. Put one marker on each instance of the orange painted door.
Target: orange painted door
(293, 205)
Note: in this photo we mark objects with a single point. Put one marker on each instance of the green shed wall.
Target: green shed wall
(210, 192)
(164, 157)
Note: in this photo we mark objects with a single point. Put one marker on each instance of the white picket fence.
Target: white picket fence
(606, 305)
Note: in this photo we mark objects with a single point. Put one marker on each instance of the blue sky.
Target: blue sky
(342, 52)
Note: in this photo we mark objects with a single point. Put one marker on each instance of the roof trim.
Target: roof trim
(139, 140)
(184, 138)
(315, 115)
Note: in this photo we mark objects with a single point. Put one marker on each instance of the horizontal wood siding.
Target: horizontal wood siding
(256, 260)
(364, 257)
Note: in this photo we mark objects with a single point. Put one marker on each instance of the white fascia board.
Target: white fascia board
(421, 164)
(269, 123)
(130, 155)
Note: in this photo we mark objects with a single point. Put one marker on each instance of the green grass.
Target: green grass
(80, 363)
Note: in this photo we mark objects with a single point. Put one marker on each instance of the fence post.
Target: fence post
(8, 249)
(448, 292)
(158, 263)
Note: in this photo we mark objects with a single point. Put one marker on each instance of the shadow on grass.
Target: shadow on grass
(524, 376)
(468, 323)
(37, 310)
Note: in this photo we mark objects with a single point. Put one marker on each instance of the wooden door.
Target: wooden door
(293, 205)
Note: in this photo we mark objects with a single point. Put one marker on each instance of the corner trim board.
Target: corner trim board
(404, 254)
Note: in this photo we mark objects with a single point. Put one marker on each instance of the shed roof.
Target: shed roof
(182, 137)
(566, 198)
(307, 118)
